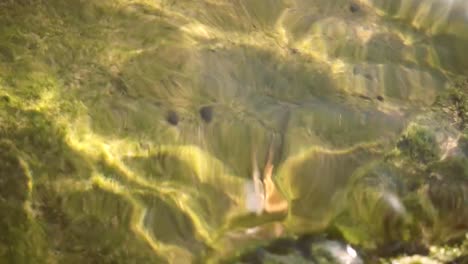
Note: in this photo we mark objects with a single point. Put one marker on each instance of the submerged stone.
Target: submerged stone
(353, 7)
(97, 197)
(420, 144)
(206, 113)
(307, 249)
(172, 118)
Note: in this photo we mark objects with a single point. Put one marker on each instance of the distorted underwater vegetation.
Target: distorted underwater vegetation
(233, 131)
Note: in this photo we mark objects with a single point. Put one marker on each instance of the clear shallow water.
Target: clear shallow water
(184, 131)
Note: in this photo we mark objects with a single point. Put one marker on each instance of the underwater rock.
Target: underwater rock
(18, 231)
(172, 118)
(447, 191)
(206, 113)
(353, 7)
(176, 198)
(419, 143)
(315, 183)
(306, 248)
(375, 213)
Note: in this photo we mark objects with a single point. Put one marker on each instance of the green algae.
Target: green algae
(82, 122)
(419, 144)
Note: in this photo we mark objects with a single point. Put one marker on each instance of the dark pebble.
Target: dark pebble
(206, 113)
(354, 8)
(380, 98)
(172, 118)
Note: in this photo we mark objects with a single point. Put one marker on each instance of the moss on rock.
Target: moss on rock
(419, 144)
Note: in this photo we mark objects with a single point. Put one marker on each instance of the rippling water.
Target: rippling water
(190, 131)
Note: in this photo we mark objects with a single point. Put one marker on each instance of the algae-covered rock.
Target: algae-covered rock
(419, 144)
(185, 131)
(307, 248)
(376, 212)
(23, 239)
